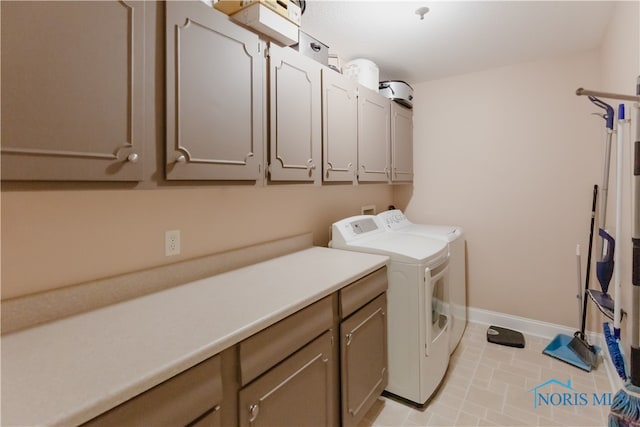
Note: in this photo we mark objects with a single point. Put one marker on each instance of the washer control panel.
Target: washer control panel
(350, 229)
(394, 219)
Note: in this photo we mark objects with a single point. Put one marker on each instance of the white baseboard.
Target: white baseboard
(544, 330)
(522, 324)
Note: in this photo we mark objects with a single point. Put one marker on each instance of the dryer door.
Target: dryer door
(436, 306)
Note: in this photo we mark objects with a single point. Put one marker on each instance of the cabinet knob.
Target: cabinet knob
(181, 158)
(253, 411)
(133, 157)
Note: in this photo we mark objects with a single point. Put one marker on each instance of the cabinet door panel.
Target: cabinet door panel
(214, 96)
(373, 136)
(401, 143)
(298, 392)
(295, 136)
(72, 90)
(339, 127)
(363, 344)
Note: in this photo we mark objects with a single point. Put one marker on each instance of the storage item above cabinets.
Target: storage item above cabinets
(313, 48)
(286, 8)
(363, 71)
(398, 91)
(265, 21)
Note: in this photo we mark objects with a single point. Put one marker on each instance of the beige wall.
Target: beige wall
(52, 239)
(511, 155)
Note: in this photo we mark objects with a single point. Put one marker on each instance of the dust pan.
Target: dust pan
(572, 350)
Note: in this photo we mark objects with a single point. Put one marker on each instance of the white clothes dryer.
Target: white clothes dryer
(417, 320)
(395, 220)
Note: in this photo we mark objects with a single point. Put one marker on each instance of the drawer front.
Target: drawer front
(300, 391)
(362, 291)
(265, 349)
(190, 396)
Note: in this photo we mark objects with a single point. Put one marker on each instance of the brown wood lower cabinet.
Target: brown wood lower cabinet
(363, 345)
(296, 372)
(193, 397)
(363, 354)
(297, 392)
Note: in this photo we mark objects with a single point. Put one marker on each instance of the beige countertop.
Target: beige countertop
(71, 370)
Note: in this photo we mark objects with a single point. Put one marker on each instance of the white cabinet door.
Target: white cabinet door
(214, 96)
(373, 136)
(339, 127)
(294, 116)
(401, 143)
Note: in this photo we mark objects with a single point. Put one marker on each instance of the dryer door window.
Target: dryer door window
(435, 304)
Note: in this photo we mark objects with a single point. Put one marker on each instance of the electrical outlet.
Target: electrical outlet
(368, 210)
(172, 242)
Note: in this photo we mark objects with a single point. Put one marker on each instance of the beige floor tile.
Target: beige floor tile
(506, 377)
(473, 409)
(528, 418)
(504, 420)
(488, 385)
(467, 420)
(523, 368)
(485, 398)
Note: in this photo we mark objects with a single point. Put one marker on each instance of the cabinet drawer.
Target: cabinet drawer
(194, 395)
(362, 291)
(300, 391)
(265, 349)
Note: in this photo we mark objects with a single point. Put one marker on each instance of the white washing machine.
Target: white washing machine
(395, 220)
(417, 320)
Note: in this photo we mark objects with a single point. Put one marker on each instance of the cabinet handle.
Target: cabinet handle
(181, 159)
(253, 410)
(349, 336)
(133, 157)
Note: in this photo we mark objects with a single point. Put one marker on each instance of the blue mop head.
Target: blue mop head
(625, 409)
(613, 344)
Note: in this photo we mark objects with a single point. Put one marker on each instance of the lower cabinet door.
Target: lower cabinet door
(300, 391)
(363, 348)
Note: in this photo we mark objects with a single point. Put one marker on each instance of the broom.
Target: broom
(625, 409)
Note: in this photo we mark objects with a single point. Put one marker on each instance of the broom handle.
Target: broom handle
(588, 272)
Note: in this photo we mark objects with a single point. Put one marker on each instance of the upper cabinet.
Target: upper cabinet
(238, 109)
(294, 117)
(72, 90)
(339, 127)
(374, 112)
(214, 96)
(401, 143)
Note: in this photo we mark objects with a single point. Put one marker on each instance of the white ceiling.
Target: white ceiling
(455, 37)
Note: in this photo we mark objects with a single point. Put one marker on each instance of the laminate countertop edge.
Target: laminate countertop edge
(69, 371)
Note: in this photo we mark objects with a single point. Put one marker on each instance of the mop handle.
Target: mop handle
(604, 190)
(617, 256)
(635, 238)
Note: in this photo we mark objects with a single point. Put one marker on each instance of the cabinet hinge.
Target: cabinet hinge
(266, 51)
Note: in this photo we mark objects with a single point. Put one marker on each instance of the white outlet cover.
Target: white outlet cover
(172, 242)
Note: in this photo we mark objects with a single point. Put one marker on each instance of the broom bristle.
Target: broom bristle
(625, 409)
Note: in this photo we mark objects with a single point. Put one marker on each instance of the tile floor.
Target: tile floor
(491, 385)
